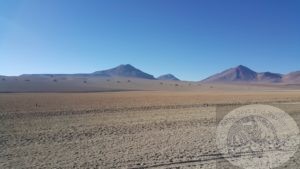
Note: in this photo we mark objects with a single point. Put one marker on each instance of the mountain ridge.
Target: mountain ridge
(238, 74)
(243, 74)
(123, 70)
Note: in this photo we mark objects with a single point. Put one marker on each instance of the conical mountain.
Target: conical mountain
(238, 74)
(168, 77)
(126, 70)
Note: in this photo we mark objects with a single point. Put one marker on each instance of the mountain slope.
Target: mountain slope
(119, 71)
(168, 77)
(244, 74)
(269, 77)
(238, 74)
(293, 77)
(124, 71)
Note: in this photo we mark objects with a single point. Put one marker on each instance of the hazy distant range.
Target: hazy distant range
(127, 77)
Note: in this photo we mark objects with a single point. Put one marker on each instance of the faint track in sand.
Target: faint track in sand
(205, 159)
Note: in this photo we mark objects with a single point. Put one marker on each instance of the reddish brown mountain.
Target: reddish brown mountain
(238, 74)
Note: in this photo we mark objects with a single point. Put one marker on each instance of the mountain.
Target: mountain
(168, 77)
(244, 74)
(269, 77)
(293, 77)
(238, 74)
(124, 71)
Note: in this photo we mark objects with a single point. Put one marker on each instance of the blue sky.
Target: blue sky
(190, 38)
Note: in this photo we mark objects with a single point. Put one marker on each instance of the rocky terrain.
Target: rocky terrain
(123, 129)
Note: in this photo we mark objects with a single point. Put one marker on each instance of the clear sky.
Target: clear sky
(190, 38)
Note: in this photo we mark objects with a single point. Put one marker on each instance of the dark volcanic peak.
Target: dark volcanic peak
(124, 71)
(244, 69)
(238, 74)
(168, 77)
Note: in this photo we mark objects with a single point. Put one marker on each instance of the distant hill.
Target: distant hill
(269, 77)
(293, 77)
(168, 77)
(246, 75)
(124, 71)
(238, 74)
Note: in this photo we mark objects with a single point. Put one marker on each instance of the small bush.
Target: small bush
(55, 80)
(161, 83)
(118, 81)
(128, 81)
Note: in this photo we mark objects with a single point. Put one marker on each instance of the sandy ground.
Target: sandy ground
(123, 129)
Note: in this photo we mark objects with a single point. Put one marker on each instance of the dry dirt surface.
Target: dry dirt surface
(123, 129)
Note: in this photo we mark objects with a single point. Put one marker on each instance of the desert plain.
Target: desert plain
(127, 129)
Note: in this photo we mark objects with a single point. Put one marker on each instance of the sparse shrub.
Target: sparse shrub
(27, 80)
(84, 81)
(55, 80)
(118, 81)
(161, 83)
(190, 84)
(128, 81)
(176, 84)
(107, 80)
(3, 79)
(211, 87)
